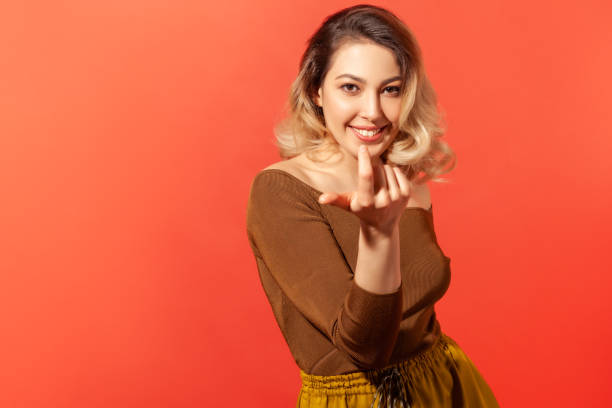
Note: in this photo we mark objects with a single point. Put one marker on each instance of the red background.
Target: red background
(130, 132)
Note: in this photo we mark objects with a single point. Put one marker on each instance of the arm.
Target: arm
(378, 260)
(379, 210)
(289, 234)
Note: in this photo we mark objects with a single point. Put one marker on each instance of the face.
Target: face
(360, 97)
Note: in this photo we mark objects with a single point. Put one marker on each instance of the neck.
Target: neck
(345, 166)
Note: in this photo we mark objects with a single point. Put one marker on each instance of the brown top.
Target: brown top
(306, 253)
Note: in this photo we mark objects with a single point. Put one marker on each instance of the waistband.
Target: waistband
(369, 380)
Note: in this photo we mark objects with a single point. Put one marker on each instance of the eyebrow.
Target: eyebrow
(356, 78)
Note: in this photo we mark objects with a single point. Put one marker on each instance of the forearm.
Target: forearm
(378, 260)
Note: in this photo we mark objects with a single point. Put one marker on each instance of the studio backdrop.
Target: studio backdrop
(130, 132)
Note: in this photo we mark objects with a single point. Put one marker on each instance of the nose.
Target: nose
(371, 108)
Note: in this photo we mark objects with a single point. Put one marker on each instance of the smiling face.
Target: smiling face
(361, 90)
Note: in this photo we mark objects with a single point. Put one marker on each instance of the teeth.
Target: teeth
(367, 133)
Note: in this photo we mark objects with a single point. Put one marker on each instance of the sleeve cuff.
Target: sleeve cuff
(371, 317)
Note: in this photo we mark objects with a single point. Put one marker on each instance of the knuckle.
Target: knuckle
(385, 198)
(366, 174)
(366, 201)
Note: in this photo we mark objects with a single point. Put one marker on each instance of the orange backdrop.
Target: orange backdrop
(130, 132)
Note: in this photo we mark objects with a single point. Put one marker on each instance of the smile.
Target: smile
(368, 135)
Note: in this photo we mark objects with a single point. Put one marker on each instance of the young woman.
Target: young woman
(342, 228)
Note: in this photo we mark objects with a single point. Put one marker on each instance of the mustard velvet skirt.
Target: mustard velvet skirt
(440, 376)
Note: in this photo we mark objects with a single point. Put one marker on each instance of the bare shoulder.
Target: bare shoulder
(420, 195)
(291, 166)
(281, 165)
(288, 165)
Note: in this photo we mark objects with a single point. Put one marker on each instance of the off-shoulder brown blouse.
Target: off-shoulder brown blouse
(306, 253)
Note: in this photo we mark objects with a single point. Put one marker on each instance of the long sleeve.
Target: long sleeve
(293, 239)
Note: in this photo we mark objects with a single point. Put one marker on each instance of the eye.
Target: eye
(394, 89)
(352, 88)
(349, 85)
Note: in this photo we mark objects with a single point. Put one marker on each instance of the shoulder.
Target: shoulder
(420, 195)
(291, 166)
(287, 186)
(294, 172)
(277, 199)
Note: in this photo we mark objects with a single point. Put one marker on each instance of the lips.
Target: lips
(366, 127)
(373, 138)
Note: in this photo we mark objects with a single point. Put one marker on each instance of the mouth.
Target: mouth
(369, 135)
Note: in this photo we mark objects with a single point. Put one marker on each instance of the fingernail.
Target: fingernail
(362, 148)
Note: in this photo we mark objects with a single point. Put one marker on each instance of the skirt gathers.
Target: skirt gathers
(440, 376)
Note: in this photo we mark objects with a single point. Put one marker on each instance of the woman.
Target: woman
(342, 229)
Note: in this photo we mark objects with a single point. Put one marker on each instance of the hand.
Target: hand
(379, 204)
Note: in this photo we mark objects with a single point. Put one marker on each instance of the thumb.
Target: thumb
(342, 200)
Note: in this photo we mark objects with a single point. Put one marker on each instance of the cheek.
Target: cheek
(340, 111)
(392, 110)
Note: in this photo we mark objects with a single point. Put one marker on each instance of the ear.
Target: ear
(317, 98)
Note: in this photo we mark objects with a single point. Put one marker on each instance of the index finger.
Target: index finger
(365, 182)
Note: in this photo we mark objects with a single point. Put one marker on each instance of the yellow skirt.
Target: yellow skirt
(440, 376)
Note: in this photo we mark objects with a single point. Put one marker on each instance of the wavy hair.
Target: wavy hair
(417, 149)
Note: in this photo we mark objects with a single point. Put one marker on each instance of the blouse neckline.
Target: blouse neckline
(303, 183)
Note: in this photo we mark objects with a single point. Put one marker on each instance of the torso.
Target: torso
(325, 181)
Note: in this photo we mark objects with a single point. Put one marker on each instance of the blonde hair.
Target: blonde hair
(417, 149)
